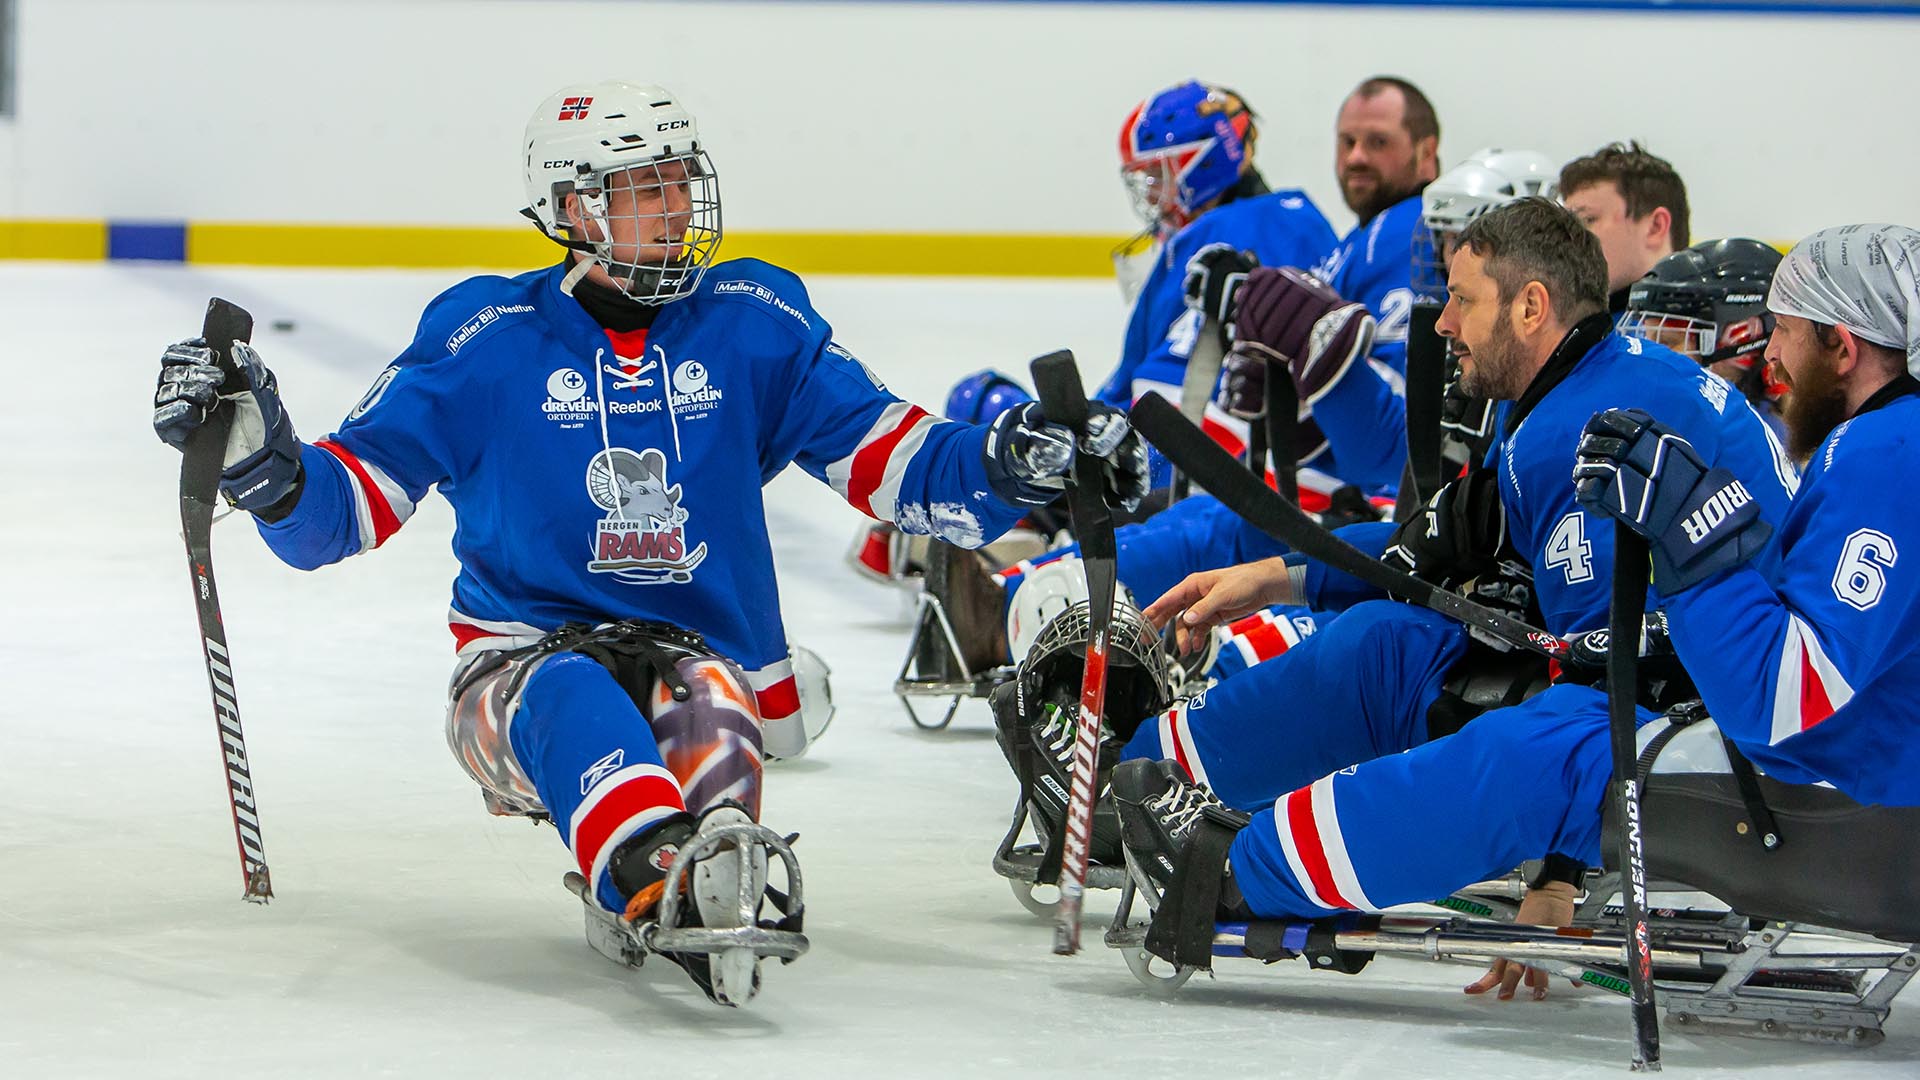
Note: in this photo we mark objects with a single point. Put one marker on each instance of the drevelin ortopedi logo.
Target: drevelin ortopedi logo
(567, 397)
(691, 390)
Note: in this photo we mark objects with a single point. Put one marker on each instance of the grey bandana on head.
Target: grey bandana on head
(1863, 277)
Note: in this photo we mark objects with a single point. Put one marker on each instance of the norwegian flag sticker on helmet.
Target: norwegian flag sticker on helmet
(575, 108)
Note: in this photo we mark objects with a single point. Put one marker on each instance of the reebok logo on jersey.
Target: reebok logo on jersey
(1718, 507)
(602, 769)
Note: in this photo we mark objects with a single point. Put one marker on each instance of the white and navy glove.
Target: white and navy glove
(1214, 275)
(1697, 521)
(261, 467)
(1028, 457)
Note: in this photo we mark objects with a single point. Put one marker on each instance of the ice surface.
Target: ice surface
(415, 935)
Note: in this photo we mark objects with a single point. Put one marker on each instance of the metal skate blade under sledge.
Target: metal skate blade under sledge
(1020, 865)
(734, 952)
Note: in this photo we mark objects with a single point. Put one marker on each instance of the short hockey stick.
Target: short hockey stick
(199, 479)
(1064, 401)
(1630, 572)
(1193, 453)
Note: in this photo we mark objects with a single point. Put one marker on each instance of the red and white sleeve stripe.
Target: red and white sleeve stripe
(380, 504)
(869, 478)
(1262, 636)
(1809, 687)
(621, 804)
(1176, 741)
(1309, 828)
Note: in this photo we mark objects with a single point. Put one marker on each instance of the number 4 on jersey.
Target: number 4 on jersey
(1568, 549)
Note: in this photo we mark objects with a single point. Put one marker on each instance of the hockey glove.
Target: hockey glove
(1295, 315)
(1464, 418)
(1214, 276)
(1698, 521)
(1028, 457)
(1243, 379)
(261, 466)
(1457, 536)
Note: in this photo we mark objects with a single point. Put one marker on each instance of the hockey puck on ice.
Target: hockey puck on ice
(284, 326)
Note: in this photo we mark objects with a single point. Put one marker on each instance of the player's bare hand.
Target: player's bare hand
(1210, 598)
(1551, 904)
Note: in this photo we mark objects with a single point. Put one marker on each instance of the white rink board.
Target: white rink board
(416, 936)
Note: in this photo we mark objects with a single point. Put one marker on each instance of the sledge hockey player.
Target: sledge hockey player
(1527, 315)
(1635, 203)
(1199, 533)
(603, 427)
(1709, 302)
(1186, 159)
(1830, 621)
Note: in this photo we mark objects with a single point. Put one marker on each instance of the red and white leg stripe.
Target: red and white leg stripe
(1809, 687)
(775, 694)
(471, 635)
(620, 805)
(1309, 828)
(869, 478)
(380, 504)
(1176, 740)
(1260, 636)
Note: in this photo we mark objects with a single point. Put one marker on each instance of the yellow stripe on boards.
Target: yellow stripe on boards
(53, 239)
(1010, 255)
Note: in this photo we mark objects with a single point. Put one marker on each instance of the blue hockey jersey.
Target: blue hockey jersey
(598, 476)
(1812, 664)
(1281, 228)
(1571, 551)
(1363, 415)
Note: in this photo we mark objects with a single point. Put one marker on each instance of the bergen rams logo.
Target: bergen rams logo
(643, 538)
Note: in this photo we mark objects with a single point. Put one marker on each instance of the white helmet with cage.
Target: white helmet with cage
(1486, 179)
(595, 147)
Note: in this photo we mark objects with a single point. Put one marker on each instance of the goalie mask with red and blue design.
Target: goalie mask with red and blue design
(1181, 149)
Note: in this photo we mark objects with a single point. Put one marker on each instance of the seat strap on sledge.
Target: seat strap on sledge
(1765, 828)
(1181, 931)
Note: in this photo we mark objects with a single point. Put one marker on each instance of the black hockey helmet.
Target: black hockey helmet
(1709, 302)
(1138, 681)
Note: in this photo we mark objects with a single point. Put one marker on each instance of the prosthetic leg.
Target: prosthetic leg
(698, 880)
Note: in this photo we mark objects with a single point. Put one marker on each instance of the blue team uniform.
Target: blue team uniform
(1357, 434)
(599, 476)
(1364, 415)
(1367, 679)
(1809, 662)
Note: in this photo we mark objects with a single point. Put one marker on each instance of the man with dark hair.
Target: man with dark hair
(1826, 599)
(1526, 313)
(1635, 203)
(1387, 145)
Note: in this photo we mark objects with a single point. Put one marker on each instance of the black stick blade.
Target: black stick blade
(1056, 379)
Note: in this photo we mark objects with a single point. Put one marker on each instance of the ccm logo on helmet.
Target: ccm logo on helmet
(672, 125)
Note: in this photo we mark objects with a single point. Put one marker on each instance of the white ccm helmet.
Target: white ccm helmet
(1486, 179)
(599, 138)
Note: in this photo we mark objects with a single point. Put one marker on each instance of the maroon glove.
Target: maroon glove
(1243, 380)
(1292, 317)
